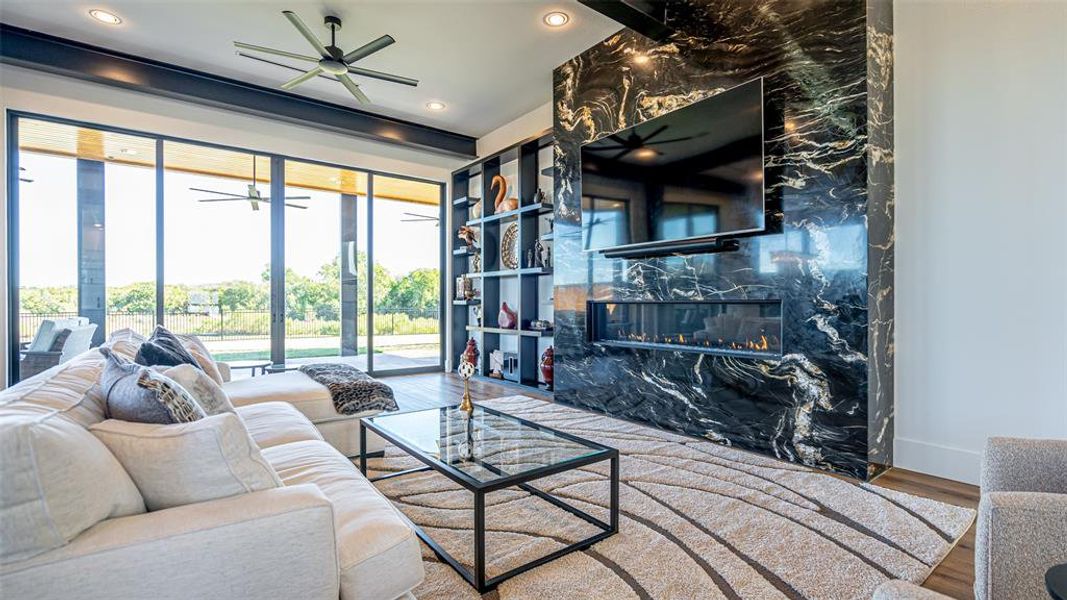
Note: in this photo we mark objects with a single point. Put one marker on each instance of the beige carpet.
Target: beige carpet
(697, 520)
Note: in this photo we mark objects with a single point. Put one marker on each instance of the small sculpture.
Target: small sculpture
(538, 254)
(476, 263)
(530, 258)
(507, 318)
(496, 364)
(476, 210)
(466, 371)
(469, 235)
(546, 364)
(464, 288)
(502, 203)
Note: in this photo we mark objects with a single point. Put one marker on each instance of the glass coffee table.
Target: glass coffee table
(487, 452)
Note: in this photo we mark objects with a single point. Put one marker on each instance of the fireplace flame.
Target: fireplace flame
(763, 344)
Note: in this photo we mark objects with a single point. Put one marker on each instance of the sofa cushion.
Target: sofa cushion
(201, 387)
(275, 423)
(56, 480)
(136, 393)
(309, 397)
(202, 356)
(174, 465)
(163, 348)
(70, 390)
(378, 552)
(126, 342)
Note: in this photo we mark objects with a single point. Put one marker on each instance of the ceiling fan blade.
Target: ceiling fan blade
(410, 214)
(622, 154)
(658, 131)
(353, 89)
(369, 48)
(275, 51)
(222, 200)
(295, 206)
(681, 139)
(383, 76)
(304, 31)
(292, 83)
(267, 198)
(597, 148)
(278, 64)
(255, 205)
(217, 192)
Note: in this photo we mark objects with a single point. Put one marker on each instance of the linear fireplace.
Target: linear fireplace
(747, 328)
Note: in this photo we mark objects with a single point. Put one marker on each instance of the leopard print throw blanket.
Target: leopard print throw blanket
(353, 391)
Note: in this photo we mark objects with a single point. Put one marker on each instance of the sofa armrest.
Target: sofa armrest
(905, 590)
(277, 543)
(224, 370)
(1024, 465)
(1020, 535)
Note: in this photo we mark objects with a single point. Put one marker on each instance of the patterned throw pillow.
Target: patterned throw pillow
(139, 394)
(163, 348)
(202, 355)
(202, 388)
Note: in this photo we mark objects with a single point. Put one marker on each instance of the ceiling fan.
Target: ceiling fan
(252, 196)
(640, 144)
(417, 218)
(331, 60)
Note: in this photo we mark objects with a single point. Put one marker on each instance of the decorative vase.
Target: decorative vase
(507, 317)
(471, 353)
(547, 360)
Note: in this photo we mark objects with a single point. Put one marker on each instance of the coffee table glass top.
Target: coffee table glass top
(496, 446)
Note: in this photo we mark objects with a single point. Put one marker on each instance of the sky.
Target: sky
(203, 242)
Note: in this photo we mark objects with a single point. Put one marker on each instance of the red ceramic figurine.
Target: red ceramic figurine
(507, 319)
(470, 353)
(547, 358)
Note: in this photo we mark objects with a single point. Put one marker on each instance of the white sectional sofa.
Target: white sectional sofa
(72, 523)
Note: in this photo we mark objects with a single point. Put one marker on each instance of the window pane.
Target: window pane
(407, 262)
(217, 249)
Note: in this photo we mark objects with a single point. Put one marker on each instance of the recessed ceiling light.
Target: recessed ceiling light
(435, 105)
(128, 151)
(646, 153)
(105, 17)
(557, 18)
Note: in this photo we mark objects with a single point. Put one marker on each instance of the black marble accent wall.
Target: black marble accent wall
(827, 69)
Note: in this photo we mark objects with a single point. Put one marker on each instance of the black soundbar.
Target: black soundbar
(699, 247)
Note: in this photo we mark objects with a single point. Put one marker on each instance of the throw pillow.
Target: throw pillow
(174, 465)
(59, 341)
(57, 481)
(202, 388)
(163, 348)
(202, 356)
(136, 393)
(126, 342)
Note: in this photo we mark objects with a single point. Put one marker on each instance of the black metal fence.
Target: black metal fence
(252, 324)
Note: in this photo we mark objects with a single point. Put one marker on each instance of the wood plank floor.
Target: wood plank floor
(953, 577)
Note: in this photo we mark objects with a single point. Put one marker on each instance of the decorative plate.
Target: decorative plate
(509, 246)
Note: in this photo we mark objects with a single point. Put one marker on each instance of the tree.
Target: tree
(137, 297)
(418, 289)
(243, 295)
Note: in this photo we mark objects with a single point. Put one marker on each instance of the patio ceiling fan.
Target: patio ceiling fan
(331, 60)
(252, 196)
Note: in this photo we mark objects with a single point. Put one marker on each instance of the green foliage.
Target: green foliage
(418, 290)
(48, 300)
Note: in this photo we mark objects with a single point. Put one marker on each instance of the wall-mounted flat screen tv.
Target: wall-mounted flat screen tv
(693, 173)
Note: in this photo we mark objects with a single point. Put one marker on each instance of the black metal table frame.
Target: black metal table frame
(477, 578)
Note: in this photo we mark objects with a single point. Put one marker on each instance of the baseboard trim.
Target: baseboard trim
(935, 459)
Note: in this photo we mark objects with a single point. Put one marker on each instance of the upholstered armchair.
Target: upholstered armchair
(1022, 523)
(55, 344)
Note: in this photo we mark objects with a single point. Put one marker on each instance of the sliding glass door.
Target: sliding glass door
(325, 241)
(120, 229)
(216, 254)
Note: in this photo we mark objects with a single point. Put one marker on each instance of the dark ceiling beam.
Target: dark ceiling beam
(50, 54)
(647, 17)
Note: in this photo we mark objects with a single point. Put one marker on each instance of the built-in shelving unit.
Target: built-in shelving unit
(527, 167)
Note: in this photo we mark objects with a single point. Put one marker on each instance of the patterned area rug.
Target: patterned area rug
(697, 520)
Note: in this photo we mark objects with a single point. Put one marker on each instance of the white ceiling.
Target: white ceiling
(489, 61)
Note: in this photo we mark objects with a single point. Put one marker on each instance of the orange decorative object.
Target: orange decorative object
(502, 203)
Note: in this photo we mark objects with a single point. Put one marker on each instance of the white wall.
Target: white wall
(528, 125)
(26, 90)
(981, 256)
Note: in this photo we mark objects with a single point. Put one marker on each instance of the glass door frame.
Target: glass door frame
(277, 239)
